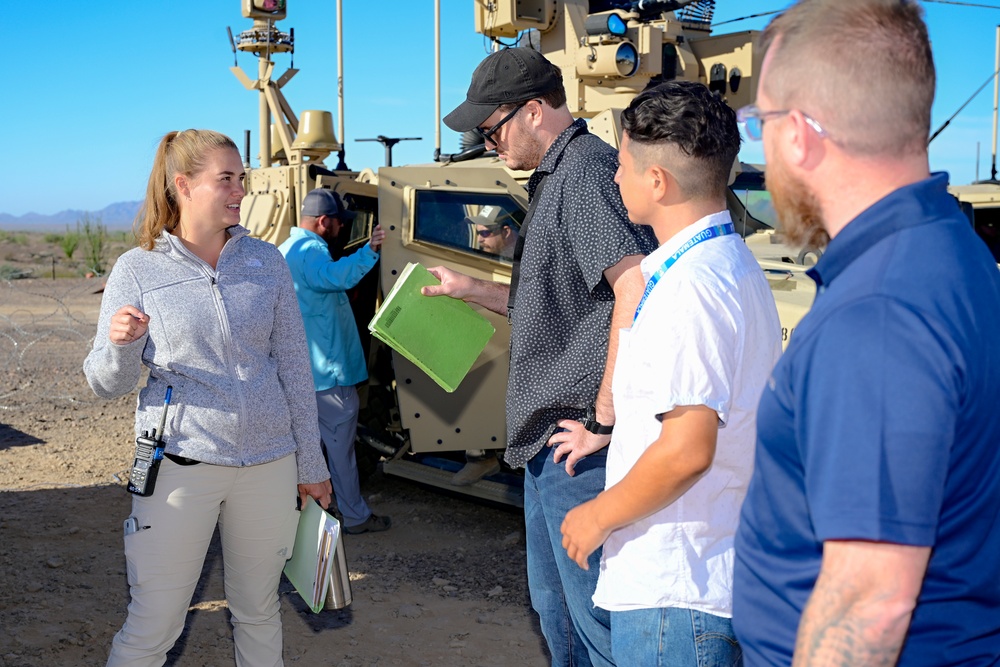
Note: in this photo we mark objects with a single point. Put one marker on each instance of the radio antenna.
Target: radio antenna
(163, 417)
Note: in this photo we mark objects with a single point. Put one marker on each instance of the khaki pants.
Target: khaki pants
(255, 510)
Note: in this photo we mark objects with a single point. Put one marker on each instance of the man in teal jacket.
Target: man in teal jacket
(338, 363)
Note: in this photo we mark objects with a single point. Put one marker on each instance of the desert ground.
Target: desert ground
(445, 586)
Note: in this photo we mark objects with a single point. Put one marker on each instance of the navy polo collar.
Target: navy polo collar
(910, 206)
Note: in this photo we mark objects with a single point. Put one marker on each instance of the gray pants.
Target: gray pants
(338, 424)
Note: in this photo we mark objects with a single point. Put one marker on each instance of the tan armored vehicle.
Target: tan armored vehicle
(981, 202)
(429, 211)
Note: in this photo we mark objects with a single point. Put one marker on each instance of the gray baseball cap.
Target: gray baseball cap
(506, 77)
(326, 202)
(492, 216)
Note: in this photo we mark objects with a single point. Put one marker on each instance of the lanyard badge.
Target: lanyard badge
(700, 237)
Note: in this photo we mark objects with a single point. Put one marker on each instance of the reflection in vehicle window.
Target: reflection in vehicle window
(366, 219)
(749, 189)
(474, 222)
(759, 206)
(987, 226)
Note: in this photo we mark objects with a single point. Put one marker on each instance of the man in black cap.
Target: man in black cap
(338, 363)
(576, 282)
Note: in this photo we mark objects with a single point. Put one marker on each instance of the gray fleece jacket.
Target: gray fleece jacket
(231, 343)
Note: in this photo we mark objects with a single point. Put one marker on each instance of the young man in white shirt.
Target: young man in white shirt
(689, 373)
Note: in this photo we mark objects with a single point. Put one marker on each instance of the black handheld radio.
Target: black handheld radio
(148, 454)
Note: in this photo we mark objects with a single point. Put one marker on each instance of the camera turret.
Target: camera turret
(610, 50)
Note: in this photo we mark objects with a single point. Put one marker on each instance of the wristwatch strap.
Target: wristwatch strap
(594, 426)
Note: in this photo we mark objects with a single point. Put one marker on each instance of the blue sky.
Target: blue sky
(91, 87)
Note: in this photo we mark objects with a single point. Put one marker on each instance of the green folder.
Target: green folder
(442, 336)
(312, 556)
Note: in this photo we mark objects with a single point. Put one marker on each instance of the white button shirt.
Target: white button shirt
(708, 334)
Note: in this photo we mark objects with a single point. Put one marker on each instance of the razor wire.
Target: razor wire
(46, 330)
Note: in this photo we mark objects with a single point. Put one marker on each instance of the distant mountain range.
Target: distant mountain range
(115, 217)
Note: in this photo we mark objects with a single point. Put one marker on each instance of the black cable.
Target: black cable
(744, 18)
(963, 4)
(952, 117)
(516, 42)
(941, 2)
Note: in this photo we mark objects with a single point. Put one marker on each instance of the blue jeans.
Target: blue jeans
(577, 632)
(670, 637)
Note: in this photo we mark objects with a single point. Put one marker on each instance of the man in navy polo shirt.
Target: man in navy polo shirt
(870, 533)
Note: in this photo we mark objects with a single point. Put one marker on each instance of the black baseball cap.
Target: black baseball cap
(326, 202)
(506, 77)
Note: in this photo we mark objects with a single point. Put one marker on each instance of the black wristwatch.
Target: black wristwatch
(594, 426)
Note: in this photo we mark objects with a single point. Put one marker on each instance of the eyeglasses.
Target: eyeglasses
(489, 231)
(753, 120)
(487, 135)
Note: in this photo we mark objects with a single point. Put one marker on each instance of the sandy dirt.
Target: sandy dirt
(445, 586)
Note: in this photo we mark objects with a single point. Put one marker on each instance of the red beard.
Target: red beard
(797, 208)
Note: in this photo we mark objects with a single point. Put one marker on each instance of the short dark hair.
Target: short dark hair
(695, 121)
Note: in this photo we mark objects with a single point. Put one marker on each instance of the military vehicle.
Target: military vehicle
(981, 203)
(981, 200)
(608, 51)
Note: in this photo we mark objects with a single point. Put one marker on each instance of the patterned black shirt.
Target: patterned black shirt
(562, 313)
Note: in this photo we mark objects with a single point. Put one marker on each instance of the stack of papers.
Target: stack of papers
(442, 336)
(312, 557)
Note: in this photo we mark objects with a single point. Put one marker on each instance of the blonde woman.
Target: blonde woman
(212, 313)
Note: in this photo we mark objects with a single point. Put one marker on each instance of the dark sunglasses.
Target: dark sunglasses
(487, 135)
(489, 231)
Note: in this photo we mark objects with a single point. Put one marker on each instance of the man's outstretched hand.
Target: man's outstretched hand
(454, 284)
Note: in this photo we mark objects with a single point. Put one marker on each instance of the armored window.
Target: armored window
(750, 203)
(474, 222)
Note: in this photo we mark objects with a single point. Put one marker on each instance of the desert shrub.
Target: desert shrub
(70, 241)
(54, 239)
(9, 272)
(94, 241)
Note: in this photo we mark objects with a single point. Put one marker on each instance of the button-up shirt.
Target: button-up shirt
(708, 334)
(562, 314)
(321, 285)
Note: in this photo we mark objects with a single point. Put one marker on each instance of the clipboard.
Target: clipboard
(310, 566)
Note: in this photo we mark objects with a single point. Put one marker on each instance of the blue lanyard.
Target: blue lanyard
(700, 237)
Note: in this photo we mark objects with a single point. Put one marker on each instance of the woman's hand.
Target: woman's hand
(322, 492)
(129, 324)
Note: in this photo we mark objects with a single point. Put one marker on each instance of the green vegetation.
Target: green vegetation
(95, 242)
(11, 237)
(10, 272)
(70, 241)
(88, 247)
